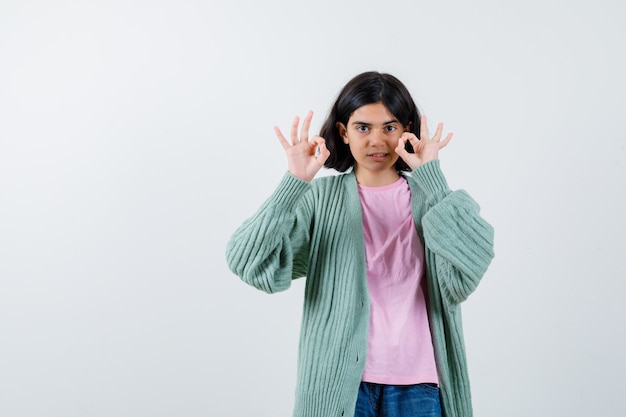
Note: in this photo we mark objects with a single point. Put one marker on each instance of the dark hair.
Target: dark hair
(368, 88)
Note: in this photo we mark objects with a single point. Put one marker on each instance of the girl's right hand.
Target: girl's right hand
(304, 157)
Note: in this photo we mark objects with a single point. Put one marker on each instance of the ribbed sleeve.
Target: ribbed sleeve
(463, 243)
(431, 180)
(263, 250)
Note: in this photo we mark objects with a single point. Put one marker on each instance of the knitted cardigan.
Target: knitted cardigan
(315, 230)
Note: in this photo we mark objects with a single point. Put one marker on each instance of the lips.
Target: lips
(378, 157)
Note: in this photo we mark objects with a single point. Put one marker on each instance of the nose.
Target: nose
(377, 137)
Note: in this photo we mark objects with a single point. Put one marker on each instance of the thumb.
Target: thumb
(400, 149)
(324, 153)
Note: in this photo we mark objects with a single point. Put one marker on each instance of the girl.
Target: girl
(388, 250)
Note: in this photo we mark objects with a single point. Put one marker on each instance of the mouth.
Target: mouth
(379, 156)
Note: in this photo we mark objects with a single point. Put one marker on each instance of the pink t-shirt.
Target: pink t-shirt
(400, 349)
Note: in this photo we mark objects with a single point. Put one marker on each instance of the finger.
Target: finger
(412, 138)
(438, 132)
(400, 149)
(304, 133)
(424, 128)
(444, 142)
(294, 130)
(324, 153)
(317, 140)
(285, 144)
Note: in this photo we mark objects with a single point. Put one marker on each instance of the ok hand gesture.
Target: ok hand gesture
(304, 157)
(426, 148)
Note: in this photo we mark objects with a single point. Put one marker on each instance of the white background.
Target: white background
(135, 136)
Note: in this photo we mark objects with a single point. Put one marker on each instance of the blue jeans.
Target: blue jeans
(376, 400)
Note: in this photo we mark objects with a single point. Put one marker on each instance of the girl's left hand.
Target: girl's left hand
(426, 148)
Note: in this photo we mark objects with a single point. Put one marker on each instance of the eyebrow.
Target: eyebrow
(357, 122)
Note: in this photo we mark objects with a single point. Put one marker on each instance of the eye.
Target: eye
(362, 128)
(390, 128)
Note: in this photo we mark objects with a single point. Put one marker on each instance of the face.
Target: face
(372, 134)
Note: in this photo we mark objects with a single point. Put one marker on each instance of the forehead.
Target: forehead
(375, 113)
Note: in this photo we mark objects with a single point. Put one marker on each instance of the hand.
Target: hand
(426, 148)
(304, 157)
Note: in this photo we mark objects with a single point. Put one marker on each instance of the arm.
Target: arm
(462, 244)
(271, 248)
(460, 241)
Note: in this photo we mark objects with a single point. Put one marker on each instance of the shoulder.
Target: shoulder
(330, 190)
(331, 180)
(414, 185)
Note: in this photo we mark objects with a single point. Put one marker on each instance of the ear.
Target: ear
(408, 127)
(342, 131)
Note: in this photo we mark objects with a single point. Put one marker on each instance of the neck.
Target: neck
(378, 179)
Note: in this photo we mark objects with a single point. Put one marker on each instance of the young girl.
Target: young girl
(388, 250)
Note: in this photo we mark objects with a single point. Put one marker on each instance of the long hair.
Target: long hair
(368, 88)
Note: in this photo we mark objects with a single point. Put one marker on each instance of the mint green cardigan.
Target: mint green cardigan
(315, 230)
